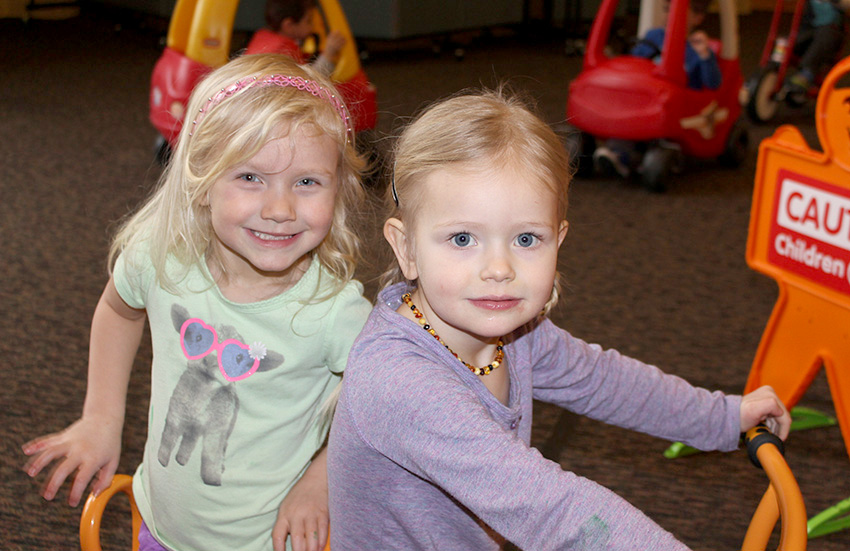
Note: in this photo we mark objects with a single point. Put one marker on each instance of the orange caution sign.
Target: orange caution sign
(800, 236)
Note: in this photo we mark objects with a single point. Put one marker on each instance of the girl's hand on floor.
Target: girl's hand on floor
(88, 447)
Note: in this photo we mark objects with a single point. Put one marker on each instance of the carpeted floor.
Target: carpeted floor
(659, 276)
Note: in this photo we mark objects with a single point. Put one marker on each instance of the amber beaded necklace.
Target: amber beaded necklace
(486, 370)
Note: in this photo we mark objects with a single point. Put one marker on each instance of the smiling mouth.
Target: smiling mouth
(270, 237)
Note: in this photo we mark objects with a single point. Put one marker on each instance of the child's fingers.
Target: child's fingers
(299, 542)
(305, 534)
(781, 421)
(77, 489)
(31, 467)
(42, 443)
(323, 533)
(311, 535)
(104, 478)
(36, 444)
(39, 460)
(56, 478)
(82, 479)
(279, 534)
(772, 425)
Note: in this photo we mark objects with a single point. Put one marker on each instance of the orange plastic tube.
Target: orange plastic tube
(782, 500)
(93, 511)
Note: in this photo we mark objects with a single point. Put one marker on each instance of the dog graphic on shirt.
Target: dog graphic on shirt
(204, 405)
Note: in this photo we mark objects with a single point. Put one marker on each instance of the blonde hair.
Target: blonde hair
(491, 126)
(172, 222)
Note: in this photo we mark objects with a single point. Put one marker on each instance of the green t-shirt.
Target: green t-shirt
(236, 392)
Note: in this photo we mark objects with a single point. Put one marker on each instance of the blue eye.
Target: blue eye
(306, 182)
(461, 240)
(248, 177)
(527, 240)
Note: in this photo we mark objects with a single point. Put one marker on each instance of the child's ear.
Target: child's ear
(394, 233)
(562, 231)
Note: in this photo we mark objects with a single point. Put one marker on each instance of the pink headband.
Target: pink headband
(283, 81)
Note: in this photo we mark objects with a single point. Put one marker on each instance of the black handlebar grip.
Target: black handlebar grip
(756, 437)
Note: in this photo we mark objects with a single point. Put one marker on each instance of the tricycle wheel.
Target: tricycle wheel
(656, 167)
(737, 146)
(762, 104)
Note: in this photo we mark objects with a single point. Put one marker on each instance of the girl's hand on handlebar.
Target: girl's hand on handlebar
(763, 406)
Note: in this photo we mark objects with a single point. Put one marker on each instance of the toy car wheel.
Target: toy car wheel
(655, 168)
(737, 146)
(763, 104)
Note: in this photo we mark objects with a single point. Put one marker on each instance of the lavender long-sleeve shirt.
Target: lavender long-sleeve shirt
(423, 456)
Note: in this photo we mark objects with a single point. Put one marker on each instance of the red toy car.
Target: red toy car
(632, 98)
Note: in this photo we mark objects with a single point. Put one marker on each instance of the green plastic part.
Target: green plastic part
(677, 449)
(830, 520)
(803, 418)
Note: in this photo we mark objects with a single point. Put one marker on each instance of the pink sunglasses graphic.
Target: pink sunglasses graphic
(236, 360)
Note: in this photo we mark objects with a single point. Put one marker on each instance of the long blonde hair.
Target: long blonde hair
(173, 224)
(492, 126)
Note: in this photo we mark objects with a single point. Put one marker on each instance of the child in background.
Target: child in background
(819, 41)
(429, 447)
(288, 24)
(700, 62)
(242, 261)
(619, 157)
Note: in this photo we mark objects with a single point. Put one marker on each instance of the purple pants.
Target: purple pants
(147, 541)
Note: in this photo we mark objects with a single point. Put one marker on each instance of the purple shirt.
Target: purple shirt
(423, 456)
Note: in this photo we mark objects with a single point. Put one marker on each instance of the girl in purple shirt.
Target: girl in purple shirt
(429, 447)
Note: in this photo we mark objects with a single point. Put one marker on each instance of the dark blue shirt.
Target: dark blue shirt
(702, 73)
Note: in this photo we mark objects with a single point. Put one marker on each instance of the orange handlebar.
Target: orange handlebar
(93, 512)
(781, 500)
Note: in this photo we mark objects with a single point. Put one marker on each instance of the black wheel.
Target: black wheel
(656, 167)
(737, 146)
(762, 103)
